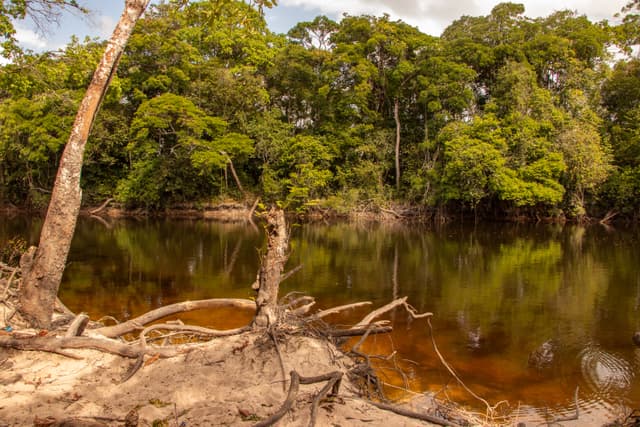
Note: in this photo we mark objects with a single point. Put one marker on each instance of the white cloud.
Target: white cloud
(433, 16)
(30, 39)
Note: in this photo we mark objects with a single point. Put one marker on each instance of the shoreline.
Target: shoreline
(237, 211)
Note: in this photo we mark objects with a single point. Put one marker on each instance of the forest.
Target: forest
(502, 116)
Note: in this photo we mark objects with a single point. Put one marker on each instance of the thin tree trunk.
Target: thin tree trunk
(396, 117)
(235, 175)
(270, 274)
(41, 282)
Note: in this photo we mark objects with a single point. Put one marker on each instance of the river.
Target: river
(500, 294)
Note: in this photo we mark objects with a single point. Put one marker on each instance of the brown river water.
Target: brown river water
(524, 314)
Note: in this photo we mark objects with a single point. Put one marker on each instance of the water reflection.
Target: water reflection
(499, 294)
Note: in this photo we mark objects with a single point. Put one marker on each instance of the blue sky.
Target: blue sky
(431, 16)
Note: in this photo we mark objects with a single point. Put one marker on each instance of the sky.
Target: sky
(430, 16)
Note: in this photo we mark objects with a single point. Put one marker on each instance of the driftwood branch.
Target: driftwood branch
(189, 329)
(608, 217)
(58, 344)
(334, 310)
(304, 309)
(392, 212)
(101, 207)
(379, 312)
(181, 307)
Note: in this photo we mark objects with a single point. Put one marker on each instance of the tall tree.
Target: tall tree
(42, 280)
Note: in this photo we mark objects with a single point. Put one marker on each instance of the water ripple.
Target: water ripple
(605, 373)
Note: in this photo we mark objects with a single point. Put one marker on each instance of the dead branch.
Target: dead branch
(411, 414)
(58, 344)
(101, 207)
(490, 409)
(77, 326)
(608, 217)
(181, 307)
(253, 209)
(364, 370)
(324, 313)
(305, 299)
(392, 212)
(304, 309)
(189, 329)
(379, 312)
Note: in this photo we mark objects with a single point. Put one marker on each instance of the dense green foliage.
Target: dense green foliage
(502, 115)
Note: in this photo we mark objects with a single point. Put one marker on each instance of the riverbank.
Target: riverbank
(232, 210)
(234, 380)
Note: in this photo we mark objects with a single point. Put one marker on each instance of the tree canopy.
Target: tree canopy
(501, 115)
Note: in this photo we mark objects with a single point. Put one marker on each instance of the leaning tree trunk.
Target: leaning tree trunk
(41, 282)
(271, 269)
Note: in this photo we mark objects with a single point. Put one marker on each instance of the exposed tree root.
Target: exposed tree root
(411, 414)
(333, 383)
(181, 307)
(189, 329)
(133, 369)
(57, 345)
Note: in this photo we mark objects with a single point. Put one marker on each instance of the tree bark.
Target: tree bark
(270, 274)
(396, 117)
(41, 282)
